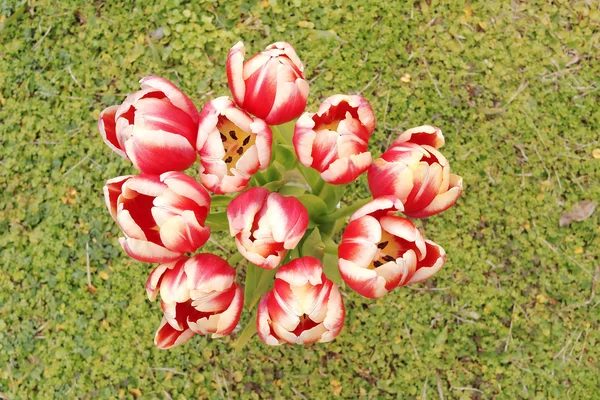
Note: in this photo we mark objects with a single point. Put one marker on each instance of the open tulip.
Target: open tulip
(271, 84)
(380, 251)
(266, 225)
(303, 307)
(162, 217)
(155, 127)
(414, 171)
(334, 140)
(232, 146)
(199, 295)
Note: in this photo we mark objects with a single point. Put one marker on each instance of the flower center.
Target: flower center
(389, 248)
(235, 143)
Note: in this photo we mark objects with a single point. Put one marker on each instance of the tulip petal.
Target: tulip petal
(235, 67)
(112, 190)
(145, 251)
(263, 323)
(173, 93)
(442, 201)
(288, 219)
(155, 152)
(422, 135)
(347, 169)
(167, 337)
(431, 264)
(107, 127)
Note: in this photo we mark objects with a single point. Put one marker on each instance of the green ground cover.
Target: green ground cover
(513, 85)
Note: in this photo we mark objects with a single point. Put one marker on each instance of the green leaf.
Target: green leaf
(291, 190)
(217, 221)
(315, 205)
(264, 282)
(285, 155)
(246, 334)
(330, 268)
(252, 275)
(331, 195)
(219, 200)
(313, 245)
(312, 176)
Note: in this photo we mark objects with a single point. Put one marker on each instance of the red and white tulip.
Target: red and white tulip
(334, 140)
(199, 295)
(303, 307)
(155, 127)
(266, 225)
(380, 251)
(270, 85)
(415, 172)
(162, 217)
(232, 146)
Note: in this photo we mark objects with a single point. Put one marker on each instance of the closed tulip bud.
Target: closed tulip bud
(199, 295)
(155, 127)
(334, 140)
(266, 225)
(232, 146)
(162, 217)
(303, 307)
(380, 251)
(415, 172)
(270, 85)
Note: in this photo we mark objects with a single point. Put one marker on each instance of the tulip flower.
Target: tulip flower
(270, 85)
(232, 146)
(162, 217)
(266, 225)
(155, 127)
(199, 295)
(414, 171)
(380, 251)
(303, 307)
(334, 140)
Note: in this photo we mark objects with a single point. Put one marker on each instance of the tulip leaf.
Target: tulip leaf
(217, 221)
(285, 132)
(252, 275)
(311, 175)
(330, 268)
(284, 154)
(263, 284)
(274, 186)
(312, 245)
(315, 205)
(246, 334)
(291, 190)
(331, 195)
(219, 200)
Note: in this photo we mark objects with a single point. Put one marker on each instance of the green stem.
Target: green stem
(345, 211)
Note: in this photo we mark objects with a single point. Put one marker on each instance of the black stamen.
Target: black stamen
(240, 150)
(223, 138)
(377, 264)
(232, 134)
(382, 245)
(228, 159)
(389, 258)
(246, 141)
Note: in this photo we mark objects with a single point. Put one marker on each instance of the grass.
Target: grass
(514, 86)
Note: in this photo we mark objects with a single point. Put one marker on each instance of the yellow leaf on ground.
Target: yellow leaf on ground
(103, 275)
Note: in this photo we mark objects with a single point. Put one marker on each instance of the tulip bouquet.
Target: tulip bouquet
(277, 176)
